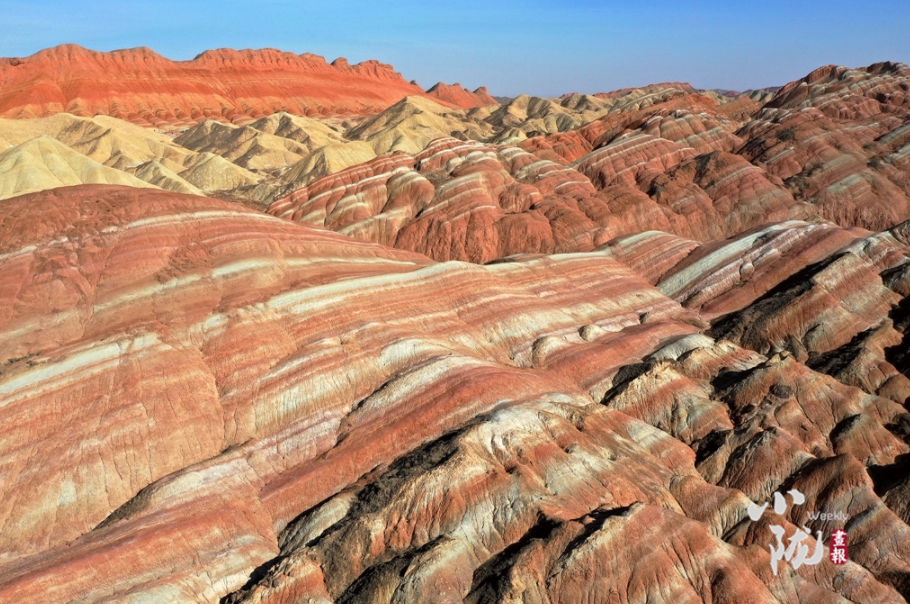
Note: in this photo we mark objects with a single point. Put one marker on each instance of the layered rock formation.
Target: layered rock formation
(283, 149)
(143, 87)
(666, 159)
(468, 201)
(200, 402)
(44, 163)
(67, 150)
(263, 159)
(460, 96)
(557, 364)
(840, 139)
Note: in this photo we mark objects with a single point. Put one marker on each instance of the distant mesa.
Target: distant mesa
(724, 92)
(459, 96)
(227, 85)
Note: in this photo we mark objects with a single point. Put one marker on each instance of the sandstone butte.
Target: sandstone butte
(203, 403)
(238, 86)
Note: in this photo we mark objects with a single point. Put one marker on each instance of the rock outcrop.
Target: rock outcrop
(240, 86)
(546, 351)
(468, 201)
(460, 96)
(198, 401)
(670, 159)
(840, 139)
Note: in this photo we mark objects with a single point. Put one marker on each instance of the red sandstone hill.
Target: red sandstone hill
(458, 95)
(833, 146)
(670, 313)
(231, 85)
(201, 403)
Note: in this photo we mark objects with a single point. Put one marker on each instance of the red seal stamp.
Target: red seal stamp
(838, 549)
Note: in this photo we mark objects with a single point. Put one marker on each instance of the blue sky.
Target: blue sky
(544, 48)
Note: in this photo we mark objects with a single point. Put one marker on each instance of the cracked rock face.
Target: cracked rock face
(200, 402)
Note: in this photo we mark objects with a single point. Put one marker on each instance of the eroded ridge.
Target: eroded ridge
(202, 402)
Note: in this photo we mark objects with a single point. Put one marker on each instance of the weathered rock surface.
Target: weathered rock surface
(238, 86)
(468, 201)
(839, 139)
(271, 156)
(65, 150)
(448, 370)
(669, 159)
(460, 96)
(697, 149)
(44, 163)
(199, 401)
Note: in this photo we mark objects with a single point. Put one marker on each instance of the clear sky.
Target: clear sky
(511, 46)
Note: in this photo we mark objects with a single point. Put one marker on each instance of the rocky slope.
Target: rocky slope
(663, 159)
(198, 402)
(459, 96)
(270, 151)
(547, 351)
(143, 87)
(268, 156)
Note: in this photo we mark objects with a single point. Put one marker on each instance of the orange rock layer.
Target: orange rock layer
(458, 96)
(228, 85)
